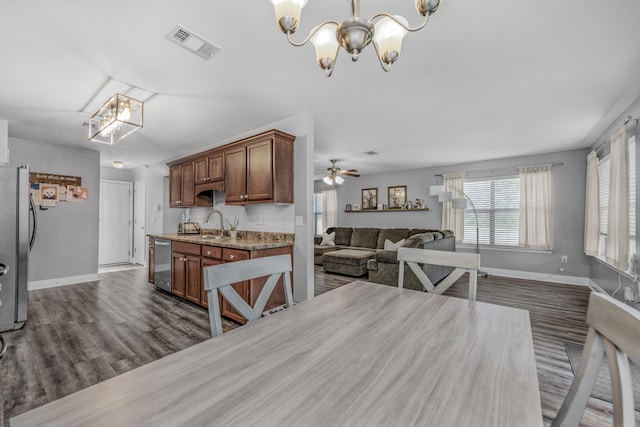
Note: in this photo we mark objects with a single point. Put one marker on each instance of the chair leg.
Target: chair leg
(216, 320)
(575, 403)
(622, 390)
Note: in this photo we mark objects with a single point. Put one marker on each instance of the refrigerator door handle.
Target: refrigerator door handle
(3, 269)
(34, 215)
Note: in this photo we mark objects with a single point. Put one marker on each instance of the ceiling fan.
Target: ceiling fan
(335, 174)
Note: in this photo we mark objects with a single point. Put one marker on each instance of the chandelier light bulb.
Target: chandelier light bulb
(388, 38)
(124, 111)
(288, 14)
(324, 40)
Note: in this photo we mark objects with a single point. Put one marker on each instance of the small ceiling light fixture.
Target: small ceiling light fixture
(118, 164)
(385, 30)
(118, 117)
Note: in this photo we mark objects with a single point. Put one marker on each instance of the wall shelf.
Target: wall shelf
(388, 210)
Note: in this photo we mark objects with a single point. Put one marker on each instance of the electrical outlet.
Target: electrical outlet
(563, 259)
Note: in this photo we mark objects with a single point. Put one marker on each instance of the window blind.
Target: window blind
(497, 202)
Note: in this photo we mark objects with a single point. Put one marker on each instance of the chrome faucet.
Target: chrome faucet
(206, 220)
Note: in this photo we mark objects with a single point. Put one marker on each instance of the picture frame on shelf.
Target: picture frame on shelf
(397, 196)
(355, 207)
(348, 207)
(369, 199)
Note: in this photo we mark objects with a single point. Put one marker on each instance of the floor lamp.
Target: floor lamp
(458, 203)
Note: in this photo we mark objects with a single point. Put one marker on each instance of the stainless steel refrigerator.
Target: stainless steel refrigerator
(18, 225)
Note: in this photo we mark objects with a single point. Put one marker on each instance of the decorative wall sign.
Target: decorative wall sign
(51, 178)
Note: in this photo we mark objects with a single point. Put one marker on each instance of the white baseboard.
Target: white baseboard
(543, 277)
(62, 281)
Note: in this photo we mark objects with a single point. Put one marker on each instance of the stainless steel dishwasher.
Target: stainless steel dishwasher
(162, 270)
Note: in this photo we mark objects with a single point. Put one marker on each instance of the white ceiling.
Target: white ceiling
(483, 80)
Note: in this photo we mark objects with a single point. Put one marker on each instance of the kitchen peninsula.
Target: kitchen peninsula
(193, 252)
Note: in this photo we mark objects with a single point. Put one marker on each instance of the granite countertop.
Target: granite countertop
(249, 243)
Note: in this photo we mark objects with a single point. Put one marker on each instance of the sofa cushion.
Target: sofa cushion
(393, 234)
(418, 240)
(328, 239)
(365, 237)
(387, 256)
(343, 235)
(390, 246)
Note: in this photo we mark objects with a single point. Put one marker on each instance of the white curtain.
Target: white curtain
(617, 246)
(329, 208)
(453, 219)
(536, 227)
(592, 207)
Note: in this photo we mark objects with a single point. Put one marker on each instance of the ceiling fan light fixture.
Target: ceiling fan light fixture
(327, 180)
(339, 180)
(118, 117)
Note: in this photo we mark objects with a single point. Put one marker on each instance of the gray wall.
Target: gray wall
(568, 204)
(114, 174)
(67, 239)
(604, 275)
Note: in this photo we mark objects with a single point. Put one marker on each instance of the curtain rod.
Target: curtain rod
(510, 169)
(608, 140)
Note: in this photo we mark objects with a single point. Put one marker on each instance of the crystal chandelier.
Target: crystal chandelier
(385, 30)
(118, 117)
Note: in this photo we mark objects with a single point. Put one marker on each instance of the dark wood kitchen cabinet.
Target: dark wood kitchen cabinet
(185, 271)
(209, 168)
(181, 186)
(260, 169)
(187, 275)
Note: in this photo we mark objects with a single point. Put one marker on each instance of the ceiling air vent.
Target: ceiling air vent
(192, 42)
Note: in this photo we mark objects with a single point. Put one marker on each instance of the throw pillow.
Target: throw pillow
(390, 246)
(328, 239)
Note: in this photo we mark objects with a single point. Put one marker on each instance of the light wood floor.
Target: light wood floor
(79, 335)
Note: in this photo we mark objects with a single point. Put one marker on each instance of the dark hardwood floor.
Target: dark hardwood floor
(79, 335)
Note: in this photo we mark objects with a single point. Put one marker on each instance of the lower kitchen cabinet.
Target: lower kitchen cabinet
(187, 276)
(186, 270)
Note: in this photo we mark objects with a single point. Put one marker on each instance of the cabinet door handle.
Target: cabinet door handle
(232, 257)
(208, 252)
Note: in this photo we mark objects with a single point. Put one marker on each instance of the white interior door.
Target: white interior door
(115, 222)
(139, 225)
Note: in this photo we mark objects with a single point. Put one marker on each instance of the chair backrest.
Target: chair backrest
(219, 278)
(462, 262)
(614, 328)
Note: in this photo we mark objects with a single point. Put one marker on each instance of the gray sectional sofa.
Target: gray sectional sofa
(360, 251)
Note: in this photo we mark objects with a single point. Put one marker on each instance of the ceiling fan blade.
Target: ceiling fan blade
(355, 175)
(349, 170)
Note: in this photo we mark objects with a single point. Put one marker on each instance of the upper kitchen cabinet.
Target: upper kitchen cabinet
(259, 169)
(209, 168)
(181, 185)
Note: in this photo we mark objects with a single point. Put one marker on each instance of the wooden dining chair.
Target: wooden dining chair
(614, 328)
(462, 262)
(219, 278)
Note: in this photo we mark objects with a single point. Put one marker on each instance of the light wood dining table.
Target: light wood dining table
(361, 355)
